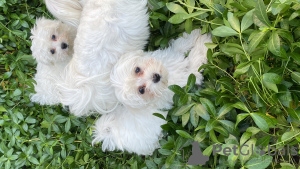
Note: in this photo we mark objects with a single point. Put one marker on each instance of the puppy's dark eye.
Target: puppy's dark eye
(52, 51)
(137, 70)
(53, 37)
(142, 90)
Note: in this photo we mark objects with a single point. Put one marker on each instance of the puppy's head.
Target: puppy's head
(52, 41)
(139, 80)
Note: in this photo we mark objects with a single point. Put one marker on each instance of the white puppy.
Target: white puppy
(52, 47)
(107, 30)
(141, 83)
(68, 11)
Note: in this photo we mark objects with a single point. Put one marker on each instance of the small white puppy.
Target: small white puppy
(141, 81)
(107, 30)
(52, 47)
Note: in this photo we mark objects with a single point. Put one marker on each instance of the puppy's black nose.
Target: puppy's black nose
(156, 78)
(64, 45)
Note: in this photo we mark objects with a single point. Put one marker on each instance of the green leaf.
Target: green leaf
(201, 111)
(2, 18)
(247, 20)
(192, 4)
(194, 14)
(294, 114)
(68, 125)
(191, 82)
(194, 118)
(286, 35)
(229, 126)
(18, 33)
(7, 75)
(287, 166)
(245, 137)
(60, 119)
(170, 160)
(185, 118)
(211, 124)
(264, 141)
(224, 31)
(177, 90)
(86, 157)
(270, 80)
(231, 50)
(260, 11)
(42, 137)
(211, 45)
(175, 8)
(246, 150)
(287, 136)
(2, 109)
(208, 151)
(21, 75)
(30, 120)
(234, 21)
(253, 130)
(188, 25)
(241, 106)
(159, 115)
(260, 122)
(295, 56)
(296, 77)
(165, 152)
(221, 130)
(17, 92)
(255, 41)
(7, 164)
(19, 115)
(294, 15)
(224, 110)
(209, 106)
(201, 135)
(274, 44)
(183, 109)
(213, 137)
(184, 134)
(155, 5)
(183, 99)
(260, 162)
(241, 117)
(177, 18)
(33, 160)
(151, 164)
(242, 68)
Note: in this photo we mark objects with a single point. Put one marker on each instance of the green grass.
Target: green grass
(250, 94)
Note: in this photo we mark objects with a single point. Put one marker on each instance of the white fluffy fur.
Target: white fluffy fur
(132, 126)
(107, 30)
(50, 66)
(68, 11)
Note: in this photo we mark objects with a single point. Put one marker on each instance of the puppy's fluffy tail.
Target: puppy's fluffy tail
(134, 131)
(186, 42)
(198, 55)
(105, 132)
(86, 94)
(68, 11)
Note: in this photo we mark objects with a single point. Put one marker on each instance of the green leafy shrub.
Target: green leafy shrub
(250, 94)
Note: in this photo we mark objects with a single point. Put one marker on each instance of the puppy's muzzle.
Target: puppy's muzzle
(64, 45)
(156, 78)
